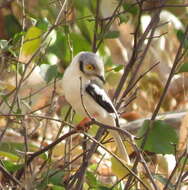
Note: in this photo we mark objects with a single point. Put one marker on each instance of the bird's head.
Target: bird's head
(90, 66)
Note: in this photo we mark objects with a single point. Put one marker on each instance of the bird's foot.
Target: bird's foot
(84, 125)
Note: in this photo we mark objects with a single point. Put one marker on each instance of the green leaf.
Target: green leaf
(43, 24)
(57, 187)
(12, 26)
(161, 137)
(9, 150)
(56, 179)
(163, 180)
(93, 130)
(183, 68)
(11, 167)
(49, 72)
(184, 160)
(130, 8)
(118, 68)
(123, 18)
(87, 25)
(18, 37)
(3, 44)
(110, 35)
(103, 188)
(79, 43)
(9, 155)
(180, 35)
(91, 179)
(32, 41)
(93, 167)
(11, 147)
(60, 46)
(52, 177)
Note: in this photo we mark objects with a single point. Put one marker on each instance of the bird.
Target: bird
(82, 85)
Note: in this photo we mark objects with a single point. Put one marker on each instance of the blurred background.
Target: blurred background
(37, 43)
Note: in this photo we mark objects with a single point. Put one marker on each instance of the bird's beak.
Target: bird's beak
(101, 78)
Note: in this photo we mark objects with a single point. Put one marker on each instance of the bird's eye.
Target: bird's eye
(90, 67)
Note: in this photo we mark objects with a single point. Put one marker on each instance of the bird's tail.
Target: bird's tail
(117, 138)
(120, 145)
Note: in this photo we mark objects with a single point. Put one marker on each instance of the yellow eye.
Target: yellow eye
(90, 67)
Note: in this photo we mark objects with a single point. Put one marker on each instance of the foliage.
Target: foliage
(39, 147)
(161, 138)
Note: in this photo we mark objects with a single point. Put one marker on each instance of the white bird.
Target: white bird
(82, 88)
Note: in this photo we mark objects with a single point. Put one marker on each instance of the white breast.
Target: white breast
(71, 88)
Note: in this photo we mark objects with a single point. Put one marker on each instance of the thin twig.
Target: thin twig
(136, 48)
(26, 150)
(133, 84)
(180, 178)
(167, 6)
(11, 177)
(152, 25)
(175, 64)
(80, 173)
(94, 48)
(125, 132)
(132, 97)
(50, 146)
(109, 23)
(131, 62)
(57, 22)
(82, 101)
(119, 160)
(174, 170)
(172, 72)
(61, 12)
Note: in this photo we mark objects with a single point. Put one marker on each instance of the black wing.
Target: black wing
(100, 96)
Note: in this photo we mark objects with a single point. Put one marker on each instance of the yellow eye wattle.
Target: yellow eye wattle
(90, 67)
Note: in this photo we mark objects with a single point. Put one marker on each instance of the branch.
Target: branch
(50, 146)
(94, 48)
(172, 73)
(152, 26)
(11, 177)
(174, 170)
